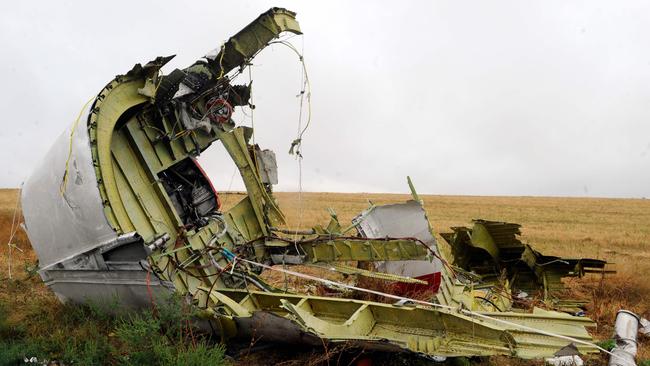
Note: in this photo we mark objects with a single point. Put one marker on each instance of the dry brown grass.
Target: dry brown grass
(21, 252)
(617, 230)
(20, 296)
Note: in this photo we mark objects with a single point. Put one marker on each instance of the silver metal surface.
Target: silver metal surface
(71, 235)
(188, 121)
(91, 258)
(61, 225)
(287, 259)
(268, 166)
(403, 220)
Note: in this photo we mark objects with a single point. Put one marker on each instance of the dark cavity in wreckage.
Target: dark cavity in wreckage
(120, 209)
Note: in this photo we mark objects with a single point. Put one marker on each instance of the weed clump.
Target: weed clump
(165, 335)
(90, 335)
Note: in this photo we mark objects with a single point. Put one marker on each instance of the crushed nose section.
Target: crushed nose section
(126, 166)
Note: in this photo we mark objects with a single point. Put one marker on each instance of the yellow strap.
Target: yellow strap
(67, 161)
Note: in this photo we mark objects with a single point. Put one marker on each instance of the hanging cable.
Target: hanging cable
(304, 82)
(295, 149)
(305, 89)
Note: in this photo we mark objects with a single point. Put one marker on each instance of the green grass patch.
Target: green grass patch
(89, 335)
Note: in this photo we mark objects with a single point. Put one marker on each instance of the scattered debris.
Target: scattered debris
(565, 361)
(137, 218)
(493, 252)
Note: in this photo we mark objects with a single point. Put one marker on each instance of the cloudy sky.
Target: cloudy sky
(483, 97)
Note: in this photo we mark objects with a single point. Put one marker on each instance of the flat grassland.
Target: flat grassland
(617, 230)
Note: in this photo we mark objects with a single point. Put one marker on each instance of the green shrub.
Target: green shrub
(93, 351)
(89, 335)
(163, 339)
(14, 353)
(607, 344)
(9, 331)
(201, 355)
(141, 339)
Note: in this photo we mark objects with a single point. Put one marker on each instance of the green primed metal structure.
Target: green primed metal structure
(161, 226)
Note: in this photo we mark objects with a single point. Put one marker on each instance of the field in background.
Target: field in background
(617, 230)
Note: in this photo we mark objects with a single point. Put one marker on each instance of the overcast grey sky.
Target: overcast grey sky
(467, 97)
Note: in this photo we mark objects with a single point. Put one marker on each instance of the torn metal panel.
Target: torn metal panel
(573, 360)
(268, 166)
(331, 249)
(127, 247)
(645, 326)
(490, 249)
(404, 220)
(250, 40)
(64, 218)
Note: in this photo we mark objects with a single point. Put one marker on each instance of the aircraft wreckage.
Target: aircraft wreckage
(119, 208)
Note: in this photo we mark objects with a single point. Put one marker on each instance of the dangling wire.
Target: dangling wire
(305, 91)
(297, 143)
(305, 88)
(295, 149)
(304, 83)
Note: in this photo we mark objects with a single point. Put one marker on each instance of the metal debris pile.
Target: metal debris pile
(120, 207)
(492, 252)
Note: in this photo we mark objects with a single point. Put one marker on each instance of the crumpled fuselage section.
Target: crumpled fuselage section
(137, 217)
